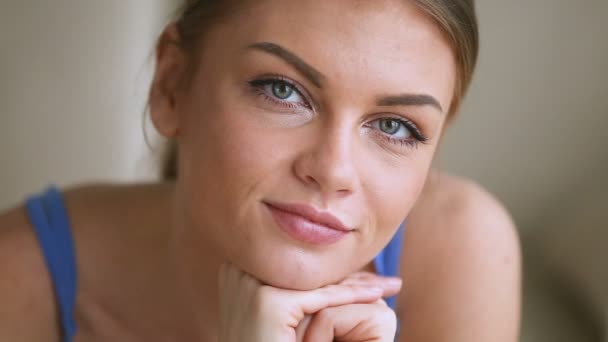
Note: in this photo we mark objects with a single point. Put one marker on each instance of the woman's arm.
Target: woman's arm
(461, 269)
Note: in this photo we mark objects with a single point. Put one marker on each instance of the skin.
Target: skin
(325, 157)
(252, 311)
(159, 247)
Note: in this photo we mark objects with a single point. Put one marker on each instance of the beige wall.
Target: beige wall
(574, 246)
(72, 89)
(534, 128)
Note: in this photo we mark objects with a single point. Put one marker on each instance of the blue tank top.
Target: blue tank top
(48, 215)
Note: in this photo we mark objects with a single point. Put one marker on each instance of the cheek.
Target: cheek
(230, 159)
(225, 166)
(392, 190)
(229, 151)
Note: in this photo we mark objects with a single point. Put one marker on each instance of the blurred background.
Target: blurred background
(73, 83)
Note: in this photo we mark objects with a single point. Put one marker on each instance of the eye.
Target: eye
(283, 91)
(280, 91)
(394, 128)
(398, 131)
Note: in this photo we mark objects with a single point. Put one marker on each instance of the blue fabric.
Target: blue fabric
(387, 261)
(387, 264)
(49, 219)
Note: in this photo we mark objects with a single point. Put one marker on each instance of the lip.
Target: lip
(307, 224)
(311, 214)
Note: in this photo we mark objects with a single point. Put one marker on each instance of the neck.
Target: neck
(141, 276)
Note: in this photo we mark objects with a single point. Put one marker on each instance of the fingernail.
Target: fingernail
(393, 285)
(394, 281)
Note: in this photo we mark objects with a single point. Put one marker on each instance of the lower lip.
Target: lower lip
(304, 230)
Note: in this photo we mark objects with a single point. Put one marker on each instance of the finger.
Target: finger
(354, 322)
(390, 285)
(302, 327)
(361, 275)
(368, 277)
(335, 295)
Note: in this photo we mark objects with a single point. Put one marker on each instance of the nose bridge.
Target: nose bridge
(328, 163)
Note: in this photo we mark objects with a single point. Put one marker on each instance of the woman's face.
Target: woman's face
(326, 106)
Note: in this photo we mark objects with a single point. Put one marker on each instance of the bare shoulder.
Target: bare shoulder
(453, 197)
(28, 311)
(25, 288)
(461, 265)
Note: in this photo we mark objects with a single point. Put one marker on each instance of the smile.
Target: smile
(306, 224)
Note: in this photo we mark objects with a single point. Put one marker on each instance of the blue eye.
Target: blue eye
(282, 90)
(398, 131)
(395, 128)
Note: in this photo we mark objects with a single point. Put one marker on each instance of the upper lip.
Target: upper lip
(310, 213)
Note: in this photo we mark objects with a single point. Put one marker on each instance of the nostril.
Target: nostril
(344, 192)
(310, 179)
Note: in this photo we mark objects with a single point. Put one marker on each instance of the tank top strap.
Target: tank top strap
(387, 261)
(49, 218)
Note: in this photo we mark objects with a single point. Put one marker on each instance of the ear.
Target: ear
(171, 63)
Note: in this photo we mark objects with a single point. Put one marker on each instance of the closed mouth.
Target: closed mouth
(311, 214)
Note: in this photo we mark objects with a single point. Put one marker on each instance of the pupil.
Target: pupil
(389, 126)
(281, 90)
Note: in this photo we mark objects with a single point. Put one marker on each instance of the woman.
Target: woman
(306, 132)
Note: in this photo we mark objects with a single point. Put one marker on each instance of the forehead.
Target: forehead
(385, 44)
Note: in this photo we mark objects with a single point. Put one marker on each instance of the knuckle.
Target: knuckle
(330, 290)
(382, 312)
(386, 315)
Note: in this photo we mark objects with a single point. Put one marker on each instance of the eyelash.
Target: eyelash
(418, 136)
(259, 84)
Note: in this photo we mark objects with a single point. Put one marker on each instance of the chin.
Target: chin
(293, 279)
(275, 259)
(295, 269)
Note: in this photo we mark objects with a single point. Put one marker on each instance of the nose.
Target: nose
(327, 163)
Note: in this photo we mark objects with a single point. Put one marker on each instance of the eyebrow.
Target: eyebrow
(409, 100)
(316, 77)
(313, 75)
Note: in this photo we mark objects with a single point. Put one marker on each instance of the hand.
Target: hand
(251, 311)
(353, 322)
